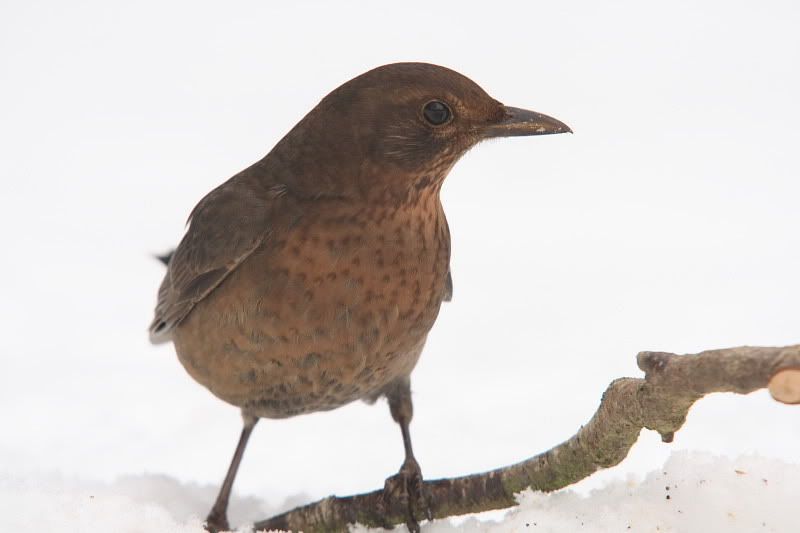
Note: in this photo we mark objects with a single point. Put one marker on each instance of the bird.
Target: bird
(311, 279)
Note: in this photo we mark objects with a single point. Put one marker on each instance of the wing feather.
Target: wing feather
(226, 227)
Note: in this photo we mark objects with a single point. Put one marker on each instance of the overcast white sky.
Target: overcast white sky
(669, 221)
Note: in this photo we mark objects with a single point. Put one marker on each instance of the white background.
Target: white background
(668, 221)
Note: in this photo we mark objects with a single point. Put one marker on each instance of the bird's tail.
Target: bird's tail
(164, 258)
(155, 338)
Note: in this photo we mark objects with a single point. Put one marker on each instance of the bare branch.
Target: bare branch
(660, 402)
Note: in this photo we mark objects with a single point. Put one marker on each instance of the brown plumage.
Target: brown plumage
(312, 278)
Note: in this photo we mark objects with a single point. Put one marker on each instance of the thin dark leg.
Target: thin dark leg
(407, 440)
(407, 485)
(218, 517)
(402, 409)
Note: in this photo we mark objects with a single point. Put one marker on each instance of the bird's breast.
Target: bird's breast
(324, 313)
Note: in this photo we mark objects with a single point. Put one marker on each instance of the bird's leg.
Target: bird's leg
(218, 517)
(407, 485)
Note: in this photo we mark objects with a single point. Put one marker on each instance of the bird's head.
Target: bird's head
(406, 124)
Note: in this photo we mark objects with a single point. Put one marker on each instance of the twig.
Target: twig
(660, 402)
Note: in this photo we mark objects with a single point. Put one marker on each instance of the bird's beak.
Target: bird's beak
(519, 122)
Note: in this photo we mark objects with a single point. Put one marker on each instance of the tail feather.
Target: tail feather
(159, 332)
(165, 258)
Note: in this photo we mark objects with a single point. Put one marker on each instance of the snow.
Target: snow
(668, 221)
(692, 492)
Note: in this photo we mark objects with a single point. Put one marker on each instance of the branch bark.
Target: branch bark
(660, 401)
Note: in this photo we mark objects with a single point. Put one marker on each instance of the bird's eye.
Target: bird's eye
(436, 112)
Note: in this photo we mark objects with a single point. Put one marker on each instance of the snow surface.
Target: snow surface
(693, 492)
(668, 221)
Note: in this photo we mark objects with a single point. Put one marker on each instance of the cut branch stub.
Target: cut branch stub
(785, 386)
(660, 402)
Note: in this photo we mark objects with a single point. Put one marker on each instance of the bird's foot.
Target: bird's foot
(217, 522)
(408, 489)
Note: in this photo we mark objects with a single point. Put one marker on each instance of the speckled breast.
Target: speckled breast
(325, 313)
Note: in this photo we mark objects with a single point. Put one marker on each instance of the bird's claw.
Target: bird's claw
(408, 489)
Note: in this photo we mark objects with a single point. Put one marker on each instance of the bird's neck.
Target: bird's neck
(312, 164)
(362, 188)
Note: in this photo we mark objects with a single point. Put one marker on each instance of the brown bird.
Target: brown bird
(312, 278)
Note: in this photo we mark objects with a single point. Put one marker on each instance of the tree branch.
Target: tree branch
(660, 402)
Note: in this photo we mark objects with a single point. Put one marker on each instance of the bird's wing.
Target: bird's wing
(224, 229)
(448, 287)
